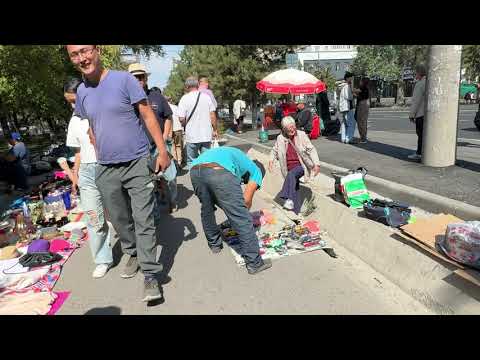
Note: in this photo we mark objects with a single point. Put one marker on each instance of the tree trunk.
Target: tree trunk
(400, 100)
(4, 123)
(15, 121)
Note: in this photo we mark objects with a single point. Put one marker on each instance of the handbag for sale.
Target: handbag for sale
(391, 213)
(36, 259)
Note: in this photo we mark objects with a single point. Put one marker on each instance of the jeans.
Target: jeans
(419, 129)
(99, 234)
(290, 188)
(127, 191)
(195, 149)
(223, 189)
(347, 128)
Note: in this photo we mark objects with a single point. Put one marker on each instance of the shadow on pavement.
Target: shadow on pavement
(467, 144)
(170, 236)
(109, 310)
(468, 165)
(183, 194)
(472, 129)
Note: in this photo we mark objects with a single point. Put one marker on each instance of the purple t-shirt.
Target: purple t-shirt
(109, 108)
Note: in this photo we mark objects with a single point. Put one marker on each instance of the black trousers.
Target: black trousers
(419, 128)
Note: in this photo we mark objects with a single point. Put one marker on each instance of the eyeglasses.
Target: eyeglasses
(75, 56)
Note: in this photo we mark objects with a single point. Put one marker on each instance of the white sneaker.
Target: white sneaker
(100, 270)
(288, 204)
(414, 156)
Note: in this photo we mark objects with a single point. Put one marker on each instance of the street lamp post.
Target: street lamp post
(441, 118)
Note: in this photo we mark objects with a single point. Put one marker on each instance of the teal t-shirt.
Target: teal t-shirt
(233, 160)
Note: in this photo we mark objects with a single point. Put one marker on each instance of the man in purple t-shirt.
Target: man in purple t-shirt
(109, 100)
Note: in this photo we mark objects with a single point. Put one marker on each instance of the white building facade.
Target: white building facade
(337, 58)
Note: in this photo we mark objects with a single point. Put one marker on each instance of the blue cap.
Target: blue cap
(15, 136)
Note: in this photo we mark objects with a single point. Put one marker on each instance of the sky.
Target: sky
(160, 67)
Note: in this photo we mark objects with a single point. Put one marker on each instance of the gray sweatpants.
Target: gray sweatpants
(127, 192)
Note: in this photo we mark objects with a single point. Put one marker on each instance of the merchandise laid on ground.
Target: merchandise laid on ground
(38, 234)
(447, 237)
(280, 236)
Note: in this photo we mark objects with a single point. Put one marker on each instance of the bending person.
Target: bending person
(297, 157)
(217, 176)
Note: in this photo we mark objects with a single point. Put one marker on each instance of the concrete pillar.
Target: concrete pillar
(441, 118)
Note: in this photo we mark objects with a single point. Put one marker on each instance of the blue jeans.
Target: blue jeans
(347, 128)
(221, 188)
(195, 149)
(290, 188)
(91, 200)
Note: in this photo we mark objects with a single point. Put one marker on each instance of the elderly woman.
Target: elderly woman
(297, 157)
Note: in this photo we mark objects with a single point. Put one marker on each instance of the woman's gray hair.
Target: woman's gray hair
(421, 70)
(287, 120)
(191, 82)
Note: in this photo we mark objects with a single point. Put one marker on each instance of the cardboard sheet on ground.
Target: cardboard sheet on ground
(279, 221)
(427, 232)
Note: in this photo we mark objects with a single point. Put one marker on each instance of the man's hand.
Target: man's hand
(270, 166)
(74, 181)
(163, 162)
(316, 170)
(412, 120)
(215, 134)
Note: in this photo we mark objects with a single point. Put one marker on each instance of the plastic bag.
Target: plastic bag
(354, 190)
(462, 243)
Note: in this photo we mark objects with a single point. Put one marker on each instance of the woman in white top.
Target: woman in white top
(84, 174)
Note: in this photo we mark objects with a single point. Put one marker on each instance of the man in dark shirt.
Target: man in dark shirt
(304, 118)
(163, 113)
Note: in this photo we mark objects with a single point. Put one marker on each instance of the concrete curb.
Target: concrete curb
(422, 199)
(419, 274)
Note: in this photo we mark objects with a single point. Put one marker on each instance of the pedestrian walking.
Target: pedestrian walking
(297, 157)
(196, 112)
(239, 108)
(362, 109)
(83, 174)
(217, 176)
(418, 107)
(109, 100)
(163, 113)
(347, 128)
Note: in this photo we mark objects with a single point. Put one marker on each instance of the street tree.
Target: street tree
(471, 61)
(388, 62)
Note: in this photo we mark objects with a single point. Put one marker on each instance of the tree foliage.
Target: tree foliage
(233, 70)
(471, 60)
(388, 61)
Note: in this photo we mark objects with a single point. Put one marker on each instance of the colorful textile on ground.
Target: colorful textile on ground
(61, 298)
(278, 236)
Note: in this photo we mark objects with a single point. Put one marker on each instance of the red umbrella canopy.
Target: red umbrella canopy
(291, 81)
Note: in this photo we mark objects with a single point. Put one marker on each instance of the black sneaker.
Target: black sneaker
(131, 268)
(267, 264)
(151, 290)
(216, 249)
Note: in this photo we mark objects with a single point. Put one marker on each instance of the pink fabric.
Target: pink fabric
(60, 175)
(312, 226)
(61, 298)
(58, 245)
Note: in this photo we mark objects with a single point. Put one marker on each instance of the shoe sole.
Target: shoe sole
(151, 298)
(128, 276)
(259, 271)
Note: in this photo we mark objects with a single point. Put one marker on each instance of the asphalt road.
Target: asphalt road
(397, 122)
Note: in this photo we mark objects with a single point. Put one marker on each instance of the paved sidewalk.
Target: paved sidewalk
(203, 283)
(385, 156)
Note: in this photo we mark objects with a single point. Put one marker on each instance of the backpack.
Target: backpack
(391, 213)
(331, 128)
(315, 133)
